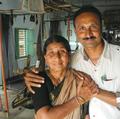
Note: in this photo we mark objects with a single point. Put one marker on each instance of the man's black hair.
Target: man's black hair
(88, 8)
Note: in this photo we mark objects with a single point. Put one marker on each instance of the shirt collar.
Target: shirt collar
(106, 52)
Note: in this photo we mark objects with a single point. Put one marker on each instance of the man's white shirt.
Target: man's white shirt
(106, 73)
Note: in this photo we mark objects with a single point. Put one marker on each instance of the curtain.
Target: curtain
(54, 28)
(39, 46)
(9, 47)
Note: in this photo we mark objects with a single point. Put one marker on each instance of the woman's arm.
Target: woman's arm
(59, 111)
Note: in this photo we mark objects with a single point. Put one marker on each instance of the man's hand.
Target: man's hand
(86, 87)
(32, 79)
(87, 92)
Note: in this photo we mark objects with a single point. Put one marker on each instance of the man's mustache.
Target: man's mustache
(89, 38)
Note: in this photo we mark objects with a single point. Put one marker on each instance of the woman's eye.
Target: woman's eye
(63, 52)
(50, 54)
(57, 53)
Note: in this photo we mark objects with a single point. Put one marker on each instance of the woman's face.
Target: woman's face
(56, 57)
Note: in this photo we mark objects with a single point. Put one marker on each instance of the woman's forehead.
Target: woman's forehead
(56, 45)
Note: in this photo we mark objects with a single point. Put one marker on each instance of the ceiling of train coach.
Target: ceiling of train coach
(38, 6)
(101, 4)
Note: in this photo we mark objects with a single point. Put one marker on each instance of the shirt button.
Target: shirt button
(118, 49)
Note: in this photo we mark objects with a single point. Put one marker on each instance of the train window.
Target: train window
(24, 42)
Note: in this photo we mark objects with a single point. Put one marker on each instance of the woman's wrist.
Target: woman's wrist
(80, 100)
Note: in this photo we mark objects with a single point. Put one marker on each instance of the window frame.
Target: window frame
(17, 53)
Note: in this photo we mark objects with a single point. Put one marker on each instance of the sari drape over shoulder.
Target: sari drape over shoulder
(67, 92)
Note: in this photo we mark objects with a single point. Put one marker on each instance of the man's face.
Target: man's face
(88, 30)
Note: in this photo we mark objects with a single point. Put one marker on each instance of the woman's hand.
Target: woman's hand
(32, 79)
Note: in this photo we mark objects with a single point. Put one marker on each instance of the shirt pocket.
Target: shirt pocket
(109, 83)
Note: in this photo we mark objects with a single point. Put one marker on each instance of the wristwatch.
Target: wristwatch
(118, 100)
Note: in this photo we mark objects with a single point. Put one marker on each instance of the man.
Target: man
(98, 59)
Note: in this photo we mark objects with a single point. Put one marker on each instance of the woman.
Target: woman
(62, 93)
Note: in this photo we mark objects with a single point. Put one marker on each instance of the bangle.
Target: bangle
(80, 97)
(77, 101)
(80, 100)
